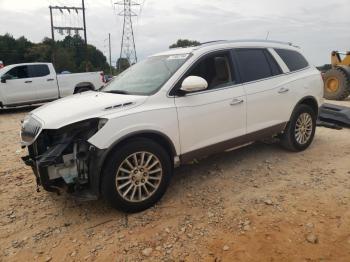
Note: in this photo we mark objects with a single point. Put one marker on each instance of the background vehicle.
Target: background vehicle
(337, 79)
(169, 109)
(31, 83)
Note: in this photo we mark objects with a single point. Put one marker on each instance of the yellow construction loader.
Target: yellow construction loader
(337, 79)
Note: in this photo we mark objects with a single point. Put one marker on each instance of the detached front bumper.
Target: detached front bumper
(74, 165)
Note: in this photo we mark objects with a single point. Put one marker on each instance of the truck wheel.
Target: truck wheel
(300, 130)
(82, 89)
(336, 84)
(136, 175)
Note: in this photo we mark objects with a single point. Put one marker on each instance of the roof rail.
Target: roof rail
(211, 42)
(249, 40)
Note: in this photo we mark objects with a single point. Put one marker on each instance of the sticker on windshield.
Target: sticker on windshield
(174, 57)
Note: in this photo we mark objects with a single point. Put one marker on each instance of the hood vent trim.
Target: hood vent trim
(119, 106)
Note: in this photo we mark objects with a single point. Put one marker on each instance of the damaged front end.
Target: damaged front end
(63, 157)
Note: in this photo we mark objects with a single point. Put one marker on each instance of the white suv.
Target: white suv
(124, 141)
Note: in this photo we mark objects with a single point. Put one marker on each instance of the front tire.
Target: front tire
(300, 131)
(136, 175)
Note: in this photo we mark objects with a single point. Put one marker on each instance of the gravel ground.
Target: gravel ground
(258, 203)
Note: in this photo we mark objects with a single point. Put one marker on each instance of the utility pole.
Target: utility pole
(67, 29)
(84, 21)
(52, 37)
(110, 55)
(128, 47)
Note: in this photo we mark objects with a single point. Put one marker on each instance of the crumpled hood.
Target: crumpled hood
(83, 106)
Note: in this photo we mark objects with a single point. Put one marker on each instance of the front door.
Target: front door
(19, 88)
(210, 119)
(44, 81)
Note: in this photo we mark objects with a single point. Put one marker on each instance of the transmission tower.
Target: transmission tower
(128, 48)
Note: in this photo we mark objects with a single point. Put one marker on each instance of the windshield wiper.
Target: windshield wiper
(122, 92)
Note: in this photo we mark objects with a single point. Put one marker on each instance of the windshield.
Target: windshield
(3, 70)
(146, 77)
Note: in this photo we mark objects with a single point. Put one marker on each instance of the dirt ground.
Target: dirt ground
(258, 203)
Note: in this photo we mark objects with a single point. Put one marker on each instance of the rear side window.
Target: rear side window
(38, 70)
(255, 64)
(18, 72)
(293, 59)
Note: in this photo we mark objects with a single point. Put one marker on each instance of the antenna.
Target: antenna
(128, 48)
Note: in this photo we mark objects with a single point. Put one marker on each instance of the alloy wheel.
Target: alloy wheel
(303, 128)
(139, 176)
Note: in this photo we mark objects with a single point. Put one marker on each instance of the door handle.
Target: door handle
(50, 79)
(236, 102)
(28, 82)
(283, 90)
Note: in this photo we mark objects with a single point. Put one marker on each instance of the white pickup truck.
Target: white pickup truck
(32, 83)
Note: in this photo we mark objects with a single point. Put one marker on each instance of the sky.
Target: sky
(317, 26)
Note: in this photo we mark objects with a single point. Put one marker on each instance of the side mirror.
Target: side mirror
(194, 83)
(4, 78)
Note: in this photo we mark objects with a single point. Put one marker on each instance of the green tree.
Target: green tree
(69, 54)
(64, 61)
(185, 43)
(39, 53)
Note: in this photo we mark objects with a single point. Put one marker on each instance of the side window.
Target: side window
(18, 72)
(254, 64)
(215, 69)
(293, 59)
(38, 70)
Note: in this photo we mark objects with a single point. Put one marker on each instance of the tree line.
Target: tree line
(68, 54)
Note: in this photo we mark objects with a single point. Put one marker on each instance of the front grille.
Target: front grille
(30, 130)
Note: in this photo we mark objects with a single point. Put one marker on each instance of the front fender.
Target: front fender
(157, 121)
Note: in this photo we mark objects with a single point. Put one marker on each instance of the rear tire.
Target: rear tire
(336, 84)
(300, 131)
(136, 175)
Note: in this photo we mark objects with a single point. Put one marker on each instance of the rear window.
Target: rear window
(293, 59)
(255, 64)
(38, 70)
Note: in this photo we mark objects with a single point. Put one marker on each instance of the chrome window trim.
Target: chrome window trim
(234, 85)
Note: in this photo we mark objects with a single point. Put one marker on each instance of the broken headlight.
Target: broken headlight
(83, 129)
(31, 128)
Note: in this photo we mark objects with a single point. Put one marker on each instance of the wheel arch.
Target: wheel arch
(310, 101)
(84, 84)
(154, 135)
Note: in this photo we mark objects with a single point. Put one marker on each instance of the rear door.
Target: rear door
(44, 81)
(268, 98)
(19, 88)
